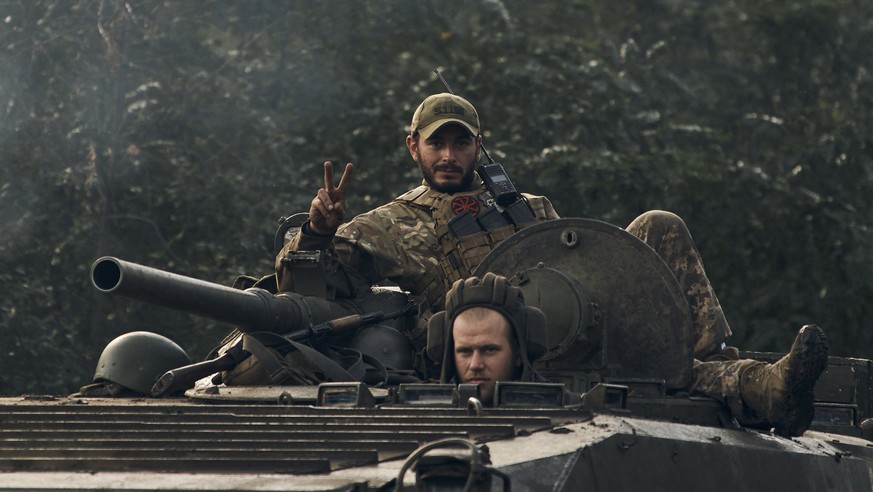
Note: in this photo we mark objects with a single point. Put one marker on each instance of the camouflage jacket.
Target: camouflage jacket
(407, 240)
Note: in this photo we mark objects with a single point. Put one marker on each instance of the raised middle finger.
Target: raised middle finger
(346, 177)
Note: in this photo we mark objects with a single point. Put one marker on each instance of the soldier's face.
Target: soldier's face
(447, 159)
(484, 351)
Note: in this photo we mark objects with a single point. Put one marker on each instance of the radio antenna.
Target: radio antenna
(436, 71)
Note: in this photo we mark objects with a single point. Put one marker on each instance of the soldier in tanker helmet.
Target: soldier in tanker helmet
(131, 364)
(486, 335)
(408, 242)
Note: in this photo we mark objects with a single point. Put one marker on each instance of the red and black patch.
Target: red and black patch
(461, 204)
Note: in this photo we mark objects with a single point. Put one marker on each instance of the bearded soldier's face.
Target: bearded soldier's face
(447, 159)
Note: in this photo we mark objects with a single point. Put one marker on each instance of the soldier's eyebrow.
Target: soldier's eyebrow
(483, 346)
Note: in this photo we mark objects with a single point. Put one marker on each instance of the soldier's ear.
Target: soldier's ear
(436, 334)
(412, 145)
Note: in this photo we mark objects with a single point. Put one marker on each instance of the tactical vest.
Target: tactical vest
(459, 255)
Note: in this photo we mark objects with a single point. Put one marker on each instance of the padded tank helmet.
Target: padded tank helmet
(136, 360)
(495, 292)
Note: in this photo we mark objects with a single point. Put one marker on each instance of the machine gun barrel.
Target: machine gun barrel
(182, 378)
(249, 310)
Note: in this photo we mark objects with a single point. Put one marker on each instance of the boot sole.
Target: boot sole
(809, 359)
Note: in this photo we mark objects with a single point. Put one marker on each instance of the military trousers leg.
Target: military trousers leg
(722, 380)
(667, 234)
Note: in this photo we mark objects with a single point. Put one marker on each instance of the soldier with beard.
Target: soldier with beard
(409, 242)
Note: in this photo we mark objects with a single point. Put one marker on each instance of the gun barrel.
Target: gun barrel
(249, 310)
(184, 377)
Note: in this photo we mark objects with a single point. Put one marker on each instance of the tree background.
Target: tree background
(175, 134)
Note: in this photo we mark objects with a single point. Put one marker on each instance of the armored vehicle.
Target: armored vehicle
(618, 337)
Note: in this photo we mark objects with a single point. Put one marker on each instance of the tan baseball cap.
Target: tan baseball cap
(440, 109)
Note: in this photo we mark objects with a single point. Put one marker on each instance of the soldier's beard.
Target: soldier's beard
(463, 185)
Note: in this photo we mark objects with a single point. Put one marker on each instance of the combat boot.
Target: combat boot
(781, 393)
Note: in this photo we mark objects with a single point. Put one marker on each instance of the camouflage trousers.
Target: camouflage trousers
(722, 380)
(714, 375)
(667, 234)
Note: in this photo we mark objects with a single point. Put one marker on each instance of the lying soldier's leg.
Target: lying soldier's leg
(776, 395)
(668, 235)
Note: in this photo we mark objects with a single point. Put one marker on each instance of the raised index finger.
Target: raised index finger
(346, 177)
(328, 176)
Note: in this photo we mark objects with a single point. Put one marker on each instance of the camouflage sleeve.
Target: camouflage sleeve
(542, 207)
(392, 242)
(362, 244)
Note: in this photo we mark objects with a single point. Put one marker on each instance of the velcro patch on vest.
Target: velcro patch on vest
(461, 204)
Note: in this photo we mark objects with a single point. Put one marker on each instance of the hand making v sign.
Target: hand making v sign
(328, 208)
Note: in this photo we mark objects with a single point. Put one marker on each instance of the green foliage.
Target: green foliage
(174, 134)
